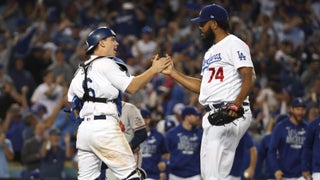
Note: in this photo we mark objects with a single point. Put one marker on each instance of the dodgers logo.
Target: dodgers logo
(210, 60)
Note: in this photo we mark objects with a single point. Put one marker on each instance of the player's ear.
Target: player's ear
(213, 25)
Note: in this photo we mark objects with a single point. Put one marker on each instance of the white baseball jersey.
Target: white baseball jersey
(220, 79)
(221, 82)
(101, 139)
(105, 79)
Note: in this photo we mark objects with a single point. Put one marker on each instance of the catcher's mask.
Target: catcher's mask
(97, 35)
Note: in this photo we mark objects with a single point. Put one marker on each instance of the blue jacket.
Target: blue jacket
(263, 161)
(152, 150)
(311, 147)
(242, 154)
(285, 149)
(184, 149)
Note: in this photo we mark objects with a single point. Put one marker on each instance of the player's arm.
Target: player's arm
(191, 83)
(138, 82)
(253, 161)
(307, 150)
(272, 153)
(138, 137)
(248, 79)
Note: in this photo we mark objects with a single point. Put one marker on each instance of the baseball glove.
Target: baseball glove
(221, 116)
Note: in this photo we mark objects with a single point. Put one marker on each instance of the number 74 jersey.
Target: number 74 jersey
(221, 80)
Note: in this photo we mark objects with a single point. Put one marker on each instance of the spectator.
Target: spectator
(61, 67)
(286, 142)
(6, 44)
(183, 143)
(30, 155)
(153, 149)
(13, 127)
(6, 155)
(48, 92)
(22, 77)
(313, 69)
(313, 111)
(53, 156)
(246, 150)
(145, 47)
(314, 94)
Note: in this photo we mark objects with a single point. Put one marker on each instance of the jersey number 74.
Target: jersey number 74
(216, 73)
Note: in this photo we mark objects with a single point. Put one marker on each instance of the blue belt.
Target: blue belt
(100, 117)
(218, 105)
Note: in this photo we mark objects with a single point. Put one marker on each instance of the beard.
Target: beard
(208, 38)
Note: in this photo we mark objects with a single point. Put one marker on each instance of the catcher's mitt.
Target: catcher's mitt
(221, 116)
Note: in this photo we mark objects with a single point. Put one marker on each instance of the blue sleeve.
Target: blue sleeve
(262, 154)
(168, 142)
(162, 147)
(248, 141)
(307, 149)
(138, 137)
(273, 146)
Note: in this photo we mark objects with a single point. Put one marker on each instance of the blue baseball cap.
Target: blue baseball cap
(145, 113)
(212, 12)
(190, 110)
(298, 102)
(146, 30)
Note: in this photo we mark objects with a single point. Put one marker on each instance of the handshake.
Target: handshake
(162, 64)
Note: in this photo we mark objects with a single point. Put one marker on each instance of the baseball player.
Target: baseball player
(154, 151)
(310, 155)
(286, 144)
(134, 128)
(99, 83)
(245, 159)
(227, 76)
(183, 143)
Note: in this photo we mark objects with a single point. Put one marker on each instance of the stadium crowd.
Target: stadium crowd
(43, 42)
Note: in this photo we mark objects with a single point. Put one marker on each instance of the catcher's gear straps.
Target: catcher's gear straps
(86, 96)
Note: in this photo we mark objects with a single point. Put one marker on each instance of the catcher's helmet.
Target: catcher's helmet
(97, 35)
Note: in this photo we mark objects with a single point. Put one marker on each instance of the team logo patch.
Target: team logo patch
(138, 121)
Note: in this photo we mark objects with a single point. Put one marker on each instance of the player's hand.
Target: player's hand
(168, 70)
(306, 175)
(159, 64)
(278, 175)
(248, 173)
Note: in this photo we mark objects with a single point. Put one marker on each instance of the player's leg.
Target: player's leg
(89, 165)
(219, 144)
(88, 162)
(111, 146)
